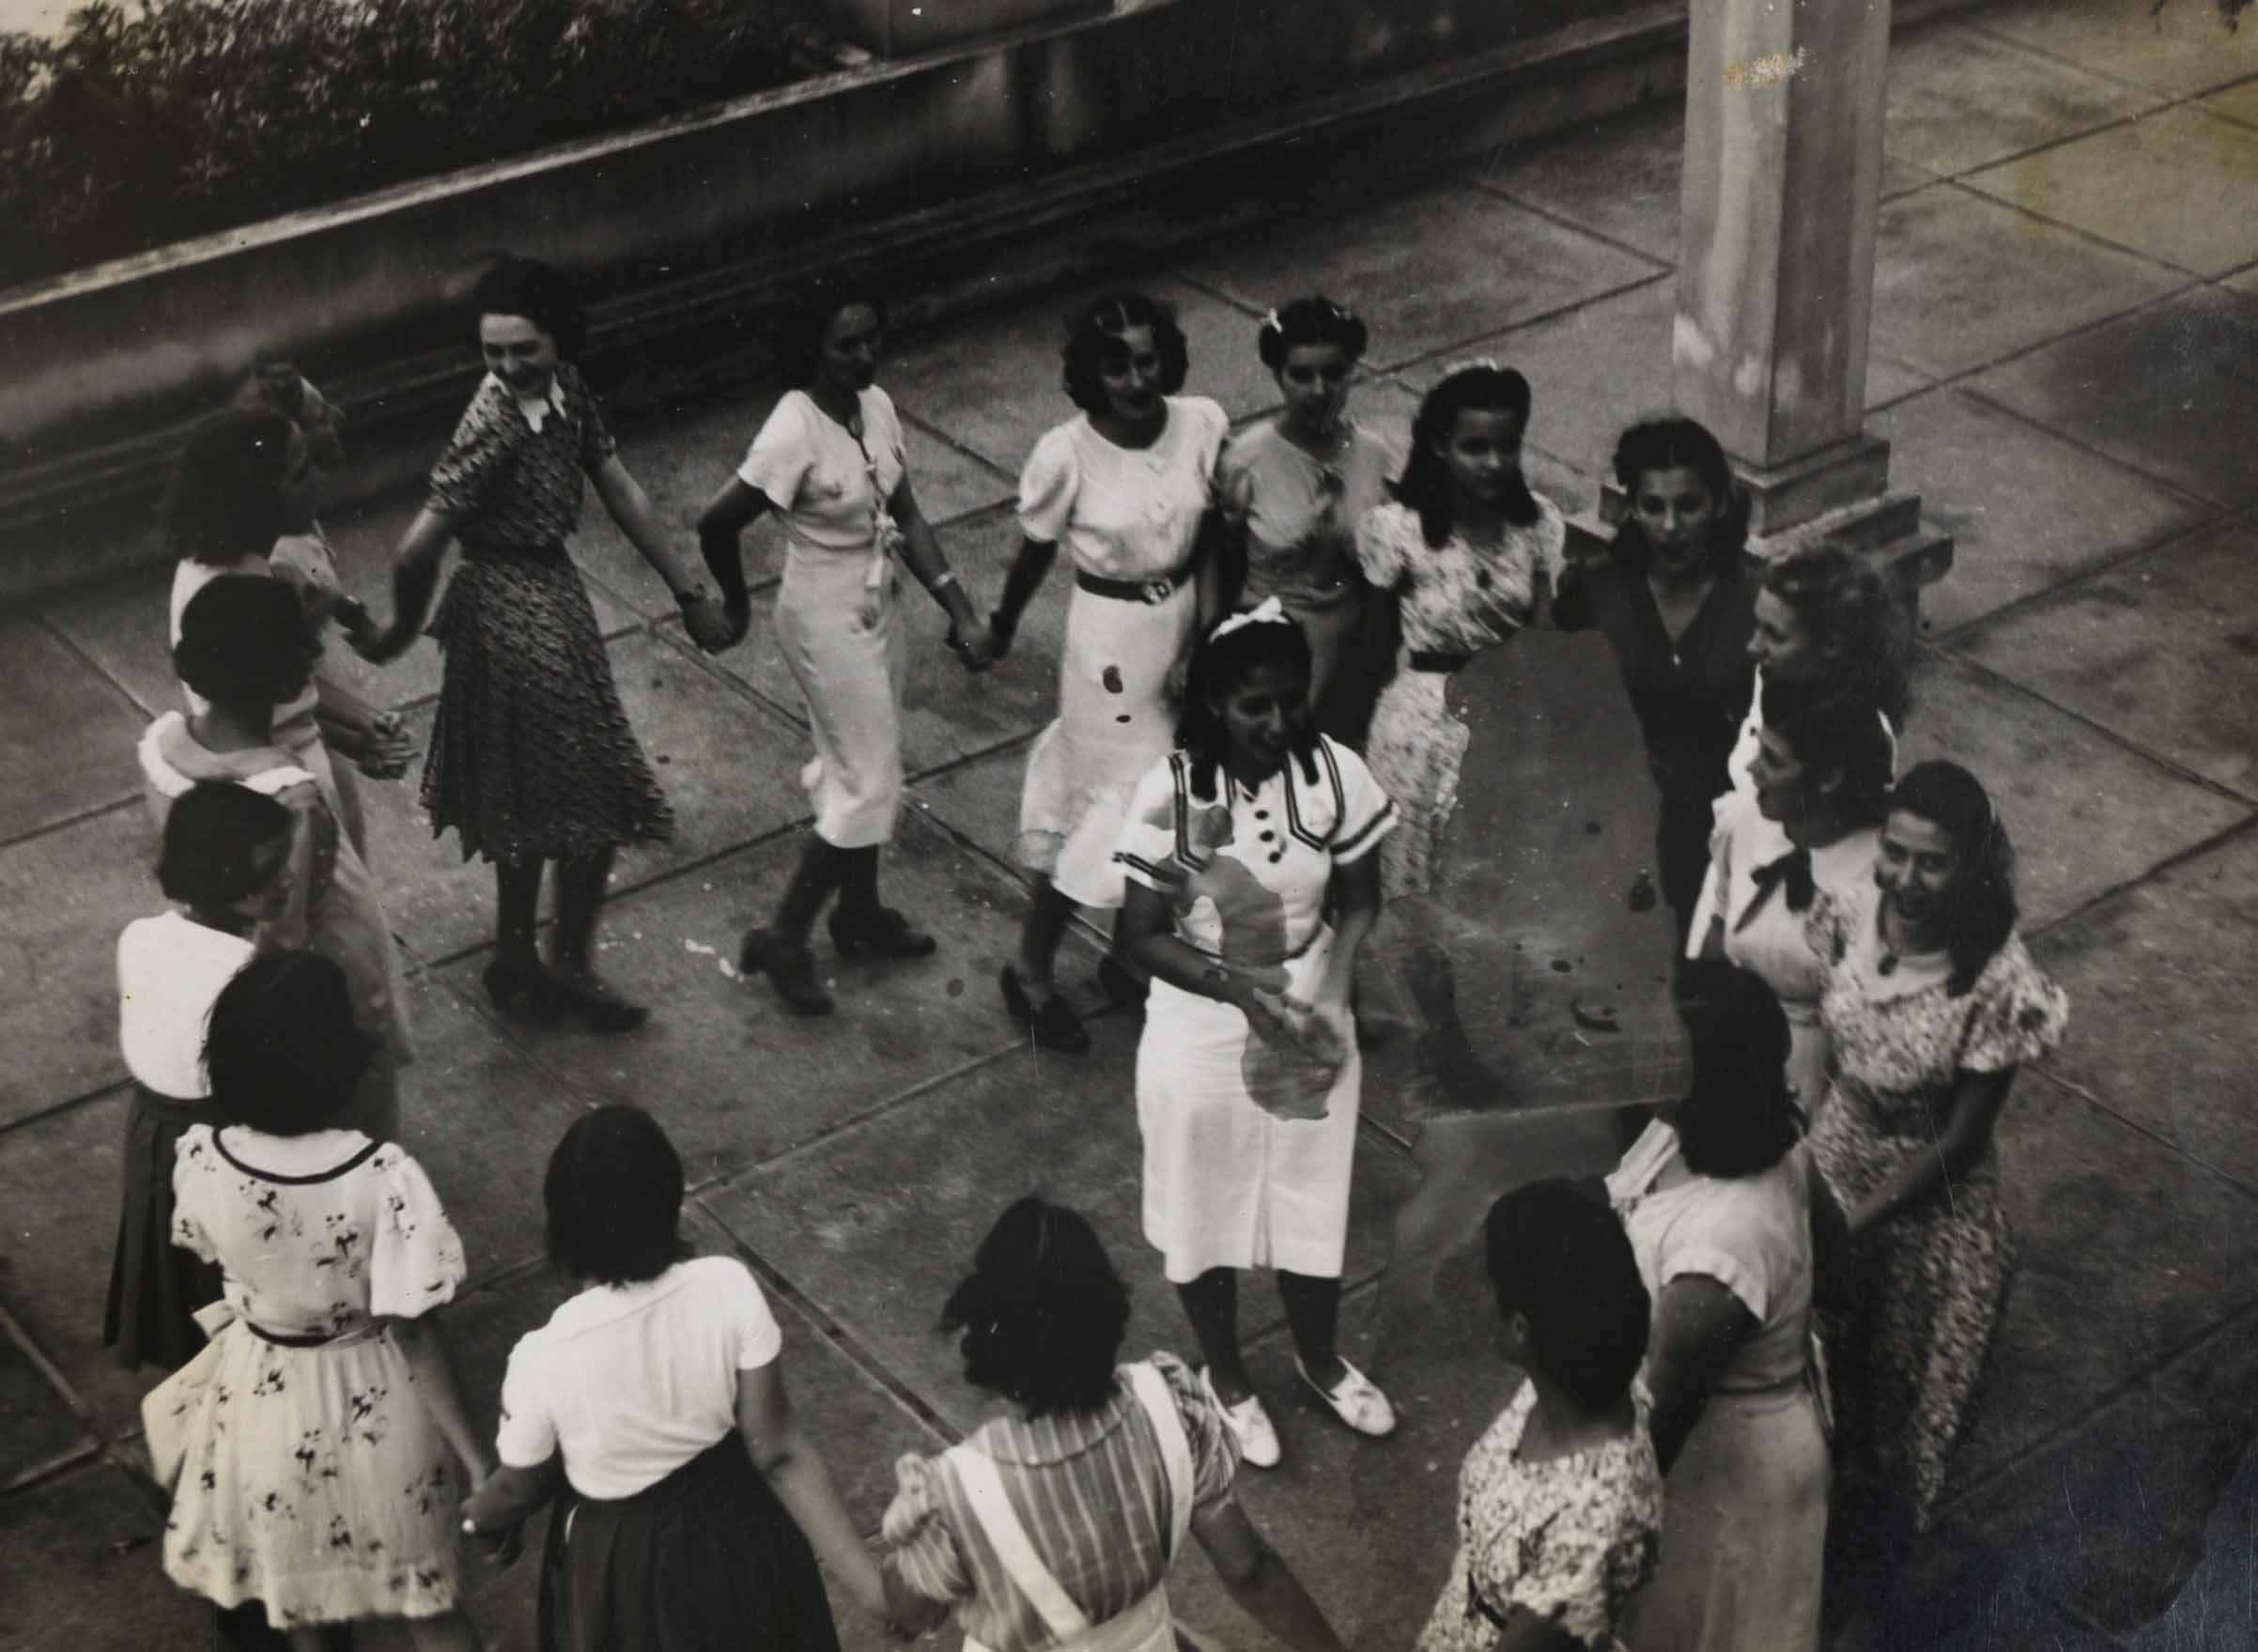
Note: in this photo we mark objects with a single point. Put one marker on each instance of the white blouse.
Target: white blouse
(170, 970)
(831, 491)
(1124, 513)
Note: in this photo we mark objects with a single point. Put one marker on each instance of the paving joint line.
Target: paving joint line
(967, 451)
(2082, 1089)
(57, 1467)
(1558, 219)
(94, 812)
(45, 620)
(71, 1104)
(2060, 60)
(1964, 385)
(50, 1373)
(1974, 191)
(2170, 539)
(1536, 318)
(1953, 378)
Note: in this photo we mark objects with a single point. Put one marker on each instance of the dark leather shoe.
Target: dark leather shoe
(881, 931)
(790, 969)
(1052, 1024)
(598, 1005)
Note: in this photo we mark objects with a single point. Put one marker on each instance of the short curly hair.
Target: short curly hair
(1559, 1256)
(541, 293)
(1094, 331)
(213, 834)
(1313, 320)
(1041, 1318)
(812, 309)
(613, 1198)
(1668, 444)
(282, 1048)
(1847, 610)
(244, 642)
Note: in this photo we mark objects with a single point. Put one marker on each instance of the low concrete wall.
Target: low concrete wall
(963, 175)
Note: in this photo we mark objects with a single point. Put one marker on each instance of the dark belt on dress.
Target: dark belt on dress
(321, 1339)
(1430, 660)
(1153, 591)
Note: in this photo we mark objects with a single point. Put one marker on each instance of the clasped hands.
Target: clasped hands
(1319, 1028)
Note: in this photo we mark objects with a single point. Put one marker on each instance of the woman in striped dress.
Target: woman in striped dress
(1055, 1524)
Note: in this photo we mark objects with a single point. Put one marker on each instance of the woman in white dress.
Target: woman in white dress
(1811, 821)
(1247, 1076)
(1125, 488)
(831, 462)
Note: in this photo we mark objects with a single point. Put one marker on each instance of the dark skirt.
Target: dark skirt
(532, 755)
(707, 1560)
(155, 1285)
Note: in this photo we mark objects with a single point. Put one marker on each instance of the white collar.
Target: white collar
(535, 409)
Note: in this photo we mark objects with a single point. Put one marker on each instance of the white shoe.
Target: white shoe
(1356, 1401)
(1249, 1425)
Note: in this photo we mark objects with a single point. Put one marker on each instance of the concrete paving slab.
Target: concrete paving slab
(880, 1220)
(82, 1569)
(2159, 978)
(67, 895)
(2237, 103)
(2114, 1230)
(2180, 185)
(2084, 813)
(64, 728)
(1428, 272)
(730, 767)
(38, 1430)
(2164, 390)
(1961, 281)
(979, 800)
(733, 1076)
(2159, 649)
(2026, 510)
(991, 385)
(1960, 99)
(2178, 49)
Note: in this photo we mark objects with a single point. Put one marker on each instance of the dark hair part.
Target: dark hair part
(538, 292)
(1847, 612)
(1310, 321)
(1095, 332)
(212, 837)
(1219, 665)
(614, 1196)
(1669, 444)
(1839, 735)
(1981, 915)
(225, 498)
(815, 307)
(1737, 1118)
(282, 1048)
(1040, 1317)
(1426, 486)
(1559, 1256)
(244, 642)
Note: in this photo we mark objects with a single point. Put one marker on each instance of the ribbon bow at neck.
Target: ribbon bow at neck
(1793, 870)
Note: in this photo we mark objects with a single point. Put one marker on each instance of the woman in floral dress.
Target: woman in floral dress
(1560, 1502)
(316, 1449)
(1930, 1004)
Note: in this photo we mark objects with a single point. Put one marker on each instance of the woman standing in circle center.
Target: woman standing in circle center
(1248, 1078)
(1124, 487)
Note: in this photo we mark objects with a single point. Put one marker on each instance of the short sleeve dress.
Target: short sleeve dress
(1930, 1283)
(531, 756)
(1298, 514)
(1569, 1540)
(306, 1469)
(836, 609)
(1744, 1533)
(1092, 1494)
(1248, 1146)
(1129, 520)
(1457, 599)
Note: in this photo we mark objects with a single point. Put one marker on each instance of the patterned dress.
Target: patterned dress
(1930, 1283)
(1457, 599)
(532, 755)
(306, 1470)
(1569, 1540)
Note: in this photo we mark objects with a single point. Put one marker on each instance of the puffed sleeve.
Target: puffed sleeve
(1214, 429)
(1826, 927)
(527, 1435)
(1379, 545)
(417, 1262)
(1235, 481)
(759, 1339)
(2019, 1016)
(596, 443)
(194, 1161)
(1147, 849)
(1214, 1450)
(481, 451)
(777, 464)
(1732, 1246)
(1367, 815)
(920, 1546)
(1047, 486)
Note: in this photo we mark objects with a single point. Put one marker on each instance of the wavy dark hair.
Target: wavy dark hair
(1094, 331)
(212, 835)
(1558, 1255)
(1425, 486)
(243, 643)
(1737, 1119)
(539, 292)
(227, 496)
(1219, 665)
(1849, 613)
(613, 1198)
(1981, 915)
(281, 388)
(282, 1048)
(815, 307)
(1667, 445)
(1041, 1318)
(1839, 735)
(1313, 320)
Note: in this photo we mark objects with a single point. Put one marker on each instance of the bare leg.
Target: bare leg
(1211, 1301)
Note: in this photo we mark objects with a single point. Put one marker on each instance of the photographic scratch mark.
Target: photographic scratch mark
(1771, 69)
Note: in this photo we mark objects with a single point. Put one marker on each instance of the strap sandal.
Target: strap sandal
(1356, 1399)
(1249, 1425)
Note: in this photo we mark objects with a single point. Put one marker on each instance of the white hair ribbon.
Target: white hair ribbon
(1267, 612)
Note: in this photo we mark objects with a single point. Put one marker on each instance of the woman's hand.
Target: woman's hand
(977, 647)
(709, 626)
(388, 749)
(381, 647)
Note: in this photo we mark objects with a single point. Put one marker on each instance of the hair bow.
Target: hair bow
(1472, 365)
(1273, 322)
(1269, 611)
